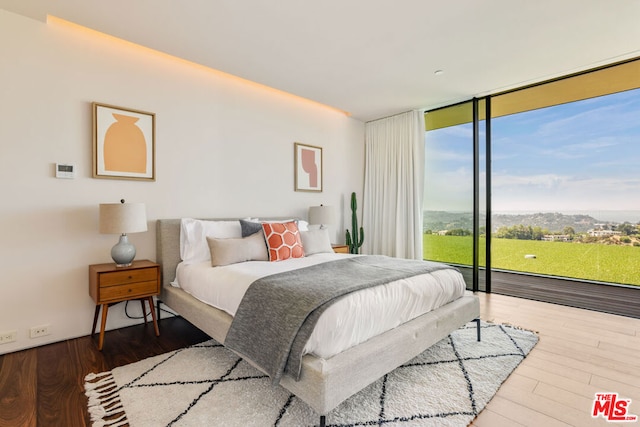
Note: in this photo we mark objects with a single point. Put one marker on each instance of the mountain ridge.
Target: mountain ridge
(554, 222)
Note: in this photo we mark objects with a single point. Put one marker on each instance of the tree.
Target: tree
(568, 230)
(626, 229)
(537, 233)
(458, 232)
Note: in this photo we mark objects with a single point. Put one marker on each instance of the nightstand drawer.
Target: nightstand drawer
(128, 276)
(128, 291)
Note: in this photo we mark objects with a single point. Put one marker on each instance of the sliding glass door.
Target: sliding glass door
(565, 188)
(452, 227)
(542, 181)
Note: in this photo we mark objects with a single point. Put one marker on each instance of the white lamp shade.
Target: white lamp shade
(121, 218)
(322, 215)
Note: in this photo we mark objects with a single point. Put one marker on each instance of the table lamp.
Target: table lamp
(122, 218)
(321, 215)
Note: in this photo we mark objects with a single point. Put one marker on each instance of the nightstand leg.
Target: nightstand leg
(105, 309)
(153, 315)
(144, 311)
(95, 320)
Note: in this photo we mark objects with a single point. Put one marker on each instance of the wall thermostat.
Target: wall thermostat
(65, 170)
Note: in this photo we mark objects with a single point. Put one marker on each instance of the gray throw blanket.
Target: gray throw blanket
(279, 312)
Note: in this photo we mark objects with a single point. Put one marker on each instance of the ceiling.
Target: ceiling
(371, 58)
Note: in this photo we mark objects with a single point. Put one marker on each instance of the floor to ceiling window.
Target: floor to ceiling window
(453, 188)
(564, 180)
(448, 197)
(565, 184)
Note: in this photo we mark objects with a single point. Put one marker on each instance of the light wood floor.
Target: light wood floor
(580, 353)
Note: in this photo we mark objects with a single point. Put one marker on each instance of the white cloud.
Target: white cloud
(551, 192)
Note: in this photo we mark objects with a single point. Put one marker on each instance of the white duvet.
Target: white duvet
(351, 320)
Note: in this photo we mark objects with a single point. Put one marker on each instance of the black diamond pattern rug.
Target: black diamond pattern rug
(207, 385)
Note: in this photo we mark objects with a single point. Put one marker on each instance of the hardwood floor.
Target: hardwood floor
(580, 353)
(44, 386)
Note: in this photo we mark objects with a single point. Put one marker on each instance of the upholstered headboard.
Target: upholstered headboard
(168, 248)
(168, 245)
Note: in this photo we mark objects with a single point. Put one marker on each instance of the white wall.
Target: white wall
(224, 148)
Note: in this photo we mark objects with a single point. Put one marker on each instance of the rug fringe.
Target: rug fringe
(104, 401)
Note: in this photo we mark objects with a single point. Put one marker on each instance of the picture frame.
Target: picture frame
(308, 173)
(124, 143)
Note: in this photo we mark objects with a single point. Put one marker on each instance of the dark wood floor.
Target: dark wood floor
(44, 386)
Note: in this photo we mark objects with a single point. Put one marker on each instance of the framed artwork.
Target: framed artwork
(307, 167)
(124, 143)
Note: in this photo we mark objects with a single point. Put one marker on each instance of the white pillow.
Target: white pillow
(302, 224)
(194, 233)
(316, 241)
(232, 251)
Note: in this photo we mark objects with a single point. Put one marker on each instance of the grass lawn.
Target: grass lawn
(589, 261)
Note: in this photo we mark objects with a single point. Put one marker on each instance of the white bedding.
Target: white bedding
(350, 321)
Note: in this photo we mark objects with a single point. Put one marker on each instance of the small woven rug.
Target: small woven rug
(208, 385)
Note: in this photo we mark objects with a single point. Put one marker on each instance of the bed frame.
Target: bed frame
(324, 383)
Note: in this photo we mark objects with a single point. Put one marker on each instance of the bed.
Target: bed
(324, 382)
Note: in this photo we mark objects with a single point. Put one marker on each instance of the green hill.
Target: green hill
(552, 221)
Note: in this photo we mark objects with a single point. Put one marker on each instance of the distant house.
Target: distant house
(603, 230)
(603, 233)
(556, 237)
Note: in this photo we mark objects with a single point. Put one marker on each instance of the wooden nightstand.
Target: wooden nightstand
(340, 249)
(109, 284)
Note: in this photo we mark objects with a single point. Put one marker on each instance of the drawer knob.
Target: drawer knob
(130, 277)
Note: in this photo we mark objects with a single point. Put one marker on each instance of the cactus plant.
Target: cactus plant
(354, 242)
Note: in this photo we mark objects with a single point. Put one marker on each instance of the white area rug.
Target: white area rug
(207, 385)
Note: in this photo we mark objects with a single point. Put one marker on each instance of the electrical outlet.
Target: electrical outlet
(39, 331)
(8, 336)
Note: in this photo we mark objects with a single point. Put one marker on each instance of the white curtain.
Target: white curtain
(393, 186)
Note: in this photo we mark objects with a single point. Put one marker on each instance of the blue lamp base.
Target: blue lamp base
(123, 252)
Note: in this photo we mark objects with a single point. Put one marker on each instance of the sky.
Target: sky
(581, 156)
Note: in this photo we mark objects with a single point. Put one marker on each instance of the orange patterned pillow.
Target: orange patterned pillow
(283, 240)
